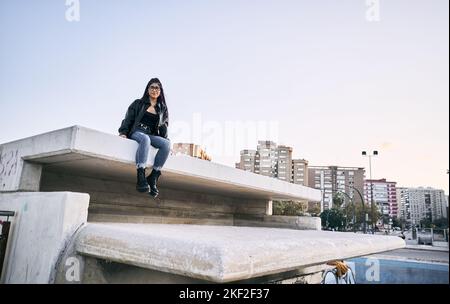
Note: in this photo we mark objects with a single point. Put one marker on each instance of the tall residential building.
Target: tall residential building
(274, 161)
(384, 195)
(247, 161)
(421, 203)
(191, 150)
(299, 172)
(267, 158)
(446, 204)
(403, 204)
(333, 179)
(284, 163)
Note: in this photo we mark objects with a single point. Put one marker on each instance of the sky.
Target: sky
(328, 78)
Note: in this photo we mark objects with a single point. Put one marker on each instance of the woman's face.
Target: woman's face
(154, 90)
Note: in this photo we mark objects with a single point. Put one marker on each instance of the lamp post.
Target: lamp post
(353, 203)
(374, 153)
(363, 205)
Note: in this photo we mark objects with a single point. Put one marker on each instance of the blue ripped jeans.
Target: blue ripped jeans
(145, 140)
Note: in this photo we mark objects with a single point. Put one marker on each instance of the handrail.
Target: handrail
(7, 213)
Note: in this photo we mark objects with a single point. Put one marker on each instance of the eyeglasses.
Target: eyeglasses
(155, 88)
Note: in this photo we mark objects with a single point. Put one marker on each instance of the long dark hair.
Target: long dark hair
(161, 101)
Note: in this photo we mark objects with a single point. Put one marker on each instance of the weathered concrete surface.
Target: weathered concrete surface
(112, 201)
(120, 202)
(42, 226)
(99, 271)
(87, 152)
(223, 254)
(278, 221)
(11, 156)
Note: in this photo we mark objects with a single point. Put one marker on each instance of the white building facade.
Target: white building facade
(417, 204)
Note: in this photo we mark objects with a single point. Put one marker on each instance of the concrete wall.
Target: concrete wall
(114, 201)
(98, 271)
(42, 226)
(121, 198)
(278, 221)
(12, 163)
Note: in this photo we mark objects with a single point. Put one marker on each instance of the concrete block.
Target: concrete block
(13, 154)
(42, 226)
(86, 152)
(223, 253)
(30, 177)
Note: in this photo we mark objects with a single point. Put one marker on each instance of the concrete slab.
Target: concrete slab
(88, 152)
(40, 229)
(223, 253)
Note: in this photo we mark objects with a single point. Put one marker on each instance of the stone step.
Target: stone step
(223, 253)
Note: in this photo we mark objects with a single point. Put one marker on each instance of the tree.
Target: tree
(338, 200)
(314, 210)
(441, 223)
(293, 208)
(360, 214)
(425, 223)
(333, 218)
(396, 222)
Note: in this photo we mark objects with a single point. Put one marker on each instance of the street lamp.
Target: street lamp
(363, 204)
(374, 153)
(352, 203)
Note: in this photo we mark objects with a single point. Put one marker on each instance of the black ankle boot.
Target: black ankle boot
(152, 179)
(141, 185)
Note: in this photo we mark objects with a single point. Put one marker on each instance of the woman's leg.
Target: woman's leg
(143, 149)
(163, 146)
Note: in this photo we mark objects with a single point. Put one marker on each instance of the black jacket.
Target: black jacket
(134, 115)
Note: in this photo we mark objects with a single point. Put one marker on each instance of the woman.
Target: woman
(146, 122)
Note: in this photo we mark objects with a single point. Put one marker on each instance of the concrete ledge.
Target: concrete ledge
(86, 152)
(223, 254)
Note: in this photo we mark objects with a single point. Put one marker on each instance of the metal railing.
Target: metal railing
(430, 236)
(5, 226)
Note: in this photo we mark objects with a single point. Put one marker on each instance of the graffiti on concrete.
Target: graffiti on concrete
(9, 161)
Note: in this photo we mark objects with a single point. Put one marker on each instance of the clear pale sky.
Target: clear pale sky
(334, 83)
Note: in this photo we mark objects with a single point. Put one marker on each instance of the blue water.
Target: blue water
(382, 271)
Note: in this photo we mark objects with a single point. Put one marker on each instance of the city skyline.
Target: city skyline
(366, 170)
(333, 82)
